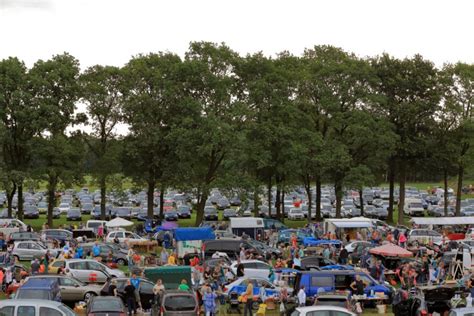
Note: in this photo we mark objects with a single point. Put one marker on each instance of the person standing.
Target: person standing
(129, 295)
(302, 297)
(113, 288)
(358, 286)
(209, 301)
(158, 290)
(135, 281)
(130, 258)
(46, 261)
(402, 240)
(163, 256)
(343, 255)
(96, 250)
(248, 298)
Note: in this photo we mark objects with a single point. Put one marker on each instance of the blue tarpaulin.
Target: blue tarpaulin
(311, 241)
(337, 267)
(193, 233)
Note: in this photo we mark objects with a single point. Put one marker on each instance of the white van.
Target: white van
(94, 225)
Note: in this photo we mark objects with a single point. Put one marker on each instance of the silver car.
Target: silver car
(20, 307)
(88, 270)
(29, 250)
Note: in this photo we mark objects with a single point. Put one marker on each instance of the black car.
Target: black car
(313, 262)
(171, 215)
(74, 214)
(184, 211)
(105, 305)
(145, 290)
(229, 212)
(30, 211)
(210, 213)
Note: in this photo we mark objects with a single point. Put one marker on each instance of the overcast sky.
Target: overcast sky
(111, 31)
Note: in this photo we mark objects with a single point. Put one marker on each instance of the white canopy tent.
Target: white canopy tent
(118, 222)
(464, 220)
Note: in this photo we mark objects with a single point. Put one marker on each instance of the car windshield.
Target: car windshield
(331, 301)
(419, 205)
(33, 294)
(179, 303)
(106, 305)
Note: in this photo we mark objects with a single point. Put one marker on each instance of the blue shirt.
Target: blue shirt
(135, 282)
(96, 250)
(79, 252)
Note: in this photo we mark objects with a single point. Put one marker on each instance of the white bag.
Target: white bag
(282, 307)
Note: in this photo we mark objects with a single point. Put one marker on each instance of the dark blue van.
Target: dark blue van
(43, 289)
(336, 280)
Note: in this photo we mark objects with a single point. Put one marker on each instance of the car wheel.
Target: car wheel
(88, 296)
(121, 262)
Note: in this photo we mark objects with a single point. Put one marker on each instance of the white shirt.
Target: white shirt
(301, 297)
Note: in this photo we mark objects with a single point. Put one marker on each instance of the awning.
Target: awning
(391, 250)
(119, 222)
(352, 224)
(464, 220)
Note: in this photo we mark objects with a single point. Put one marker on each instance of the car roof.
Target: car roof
(37, 283)
(321, 308)
(16, 301)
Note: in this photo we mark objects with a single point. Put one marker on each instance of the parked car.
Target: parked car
(41, 289)
(106, 305)
(239, 286)
(30, 211)
(171, 215)
(178, 303)
(425, 236)
(42, 207)
(122, 236)
(64, 207)
(29, 250)
(34, 307)
(253, 268)
(229, 212)
(56, 234)
(119, 254)
(210, 213)
(86, 208)
(87, 270)
(123, 212)
(414, 208)
(315, 262)
(184, 211)
(145, 291)
(350, 247)
(72, 290)
(331, 299)
(74, 214)
(295, 214)
(322, 310)
(231, 247)
(464, 311)
(25, 236)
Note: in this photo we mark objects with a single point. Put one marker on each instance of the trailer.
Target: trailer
(251, 226)
(189, 240)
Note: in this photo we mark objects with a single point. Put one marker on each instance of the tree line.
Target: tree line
(218, 119)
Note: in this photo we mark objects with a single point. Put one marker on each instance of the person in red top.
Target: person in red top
(294, 241)
(194, 262)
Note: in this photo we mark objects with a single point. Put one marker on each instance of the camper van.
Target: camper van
(252, 226)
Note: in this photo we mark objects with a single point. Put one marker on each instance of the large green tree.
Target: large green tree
(55, 89)
(101, 93)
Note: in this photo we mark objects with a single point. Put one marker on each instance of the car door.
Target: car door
(35, 250)
(263, 270)
(70, 289)
(146, 294)
(79, 270)
(250, 270)
(22, 251)
(96, 267)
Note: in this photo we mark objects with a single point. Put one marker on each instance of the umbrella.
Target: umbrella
(391, 250)
(118, 222)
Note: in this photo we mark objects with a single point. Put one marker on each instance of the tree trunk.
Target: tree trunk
(103, 188)
(53, 180)
(459, 190)
(269, 196)
(20, 200)
(445, 178)
(277, 202)
(308, 192)
(200, 208)
(318, 198)
(256, 201)
(150, 198)
(391, 180)
(162, 202)
(361, 200)
(401, 201)
(282, 201)
(338, 191)
(10, 200)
